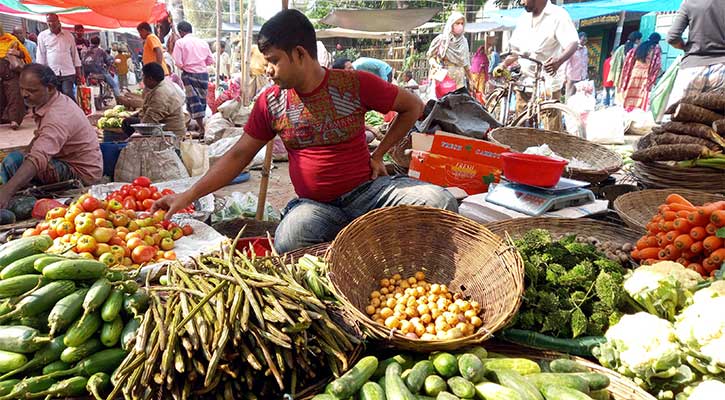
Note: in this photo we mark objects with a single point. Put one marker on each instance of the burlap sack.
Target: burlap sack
(153, 157)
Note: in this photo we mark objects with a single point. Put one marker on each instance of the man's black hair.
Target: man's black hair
(95, 40)
(184, 26)
(154, 71)
(409, 74)
(287, 30)
(222, 44)
(340, 63)
(144, 26)
(78, 26)
(46, 75)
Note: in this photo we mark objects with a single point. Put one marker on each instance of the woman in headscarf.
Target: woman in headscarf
(615, 72)
(449, 51)
(12, 109)
(641, 69)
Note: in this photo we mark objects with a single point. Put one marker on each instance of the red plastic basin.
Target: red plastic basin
(531, 169)
(260, 245)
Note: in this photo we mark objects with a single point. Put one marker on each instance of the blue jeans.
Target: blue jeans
(57, 171)
(112, 83)
(307, 222)
(65, 85)
(609, 96)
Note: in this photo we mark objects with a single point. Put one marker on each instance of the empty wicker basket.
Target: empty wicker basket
(660, 175)
(637, 208)
(449, 248)
(603, 161)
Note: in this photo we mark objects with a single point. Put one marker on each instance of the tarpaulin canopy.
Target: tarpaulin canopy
(596, 8)
(107, 14)
(352, 34)
(379, 20)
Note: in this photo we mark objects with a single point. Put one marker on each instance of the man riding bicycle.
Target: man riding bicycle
(545, 33)
(97, 62)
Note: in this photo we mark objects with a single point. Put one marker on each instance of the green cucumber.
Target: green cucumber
(395, 388)
(477, 351)
(23, 247)
(446, 364)
(77, 270)
(112, 306)
(98, 385)
(521, 365)
(7, 386)
(433, 385)
(128, 335)
(596, 381)
(600, 394)
(23, 266)
(514, 380)
(103, 361)
(66, 310)
(348, 384)
(18, 285)
(71, 387)
(111, 332)
(21, 339)
(56, 366)
(83, 329)
(115, 276)
(417, 375)
(29, 386)
(563, 380)
(494, 391)
(447, 396)
(461, 387)
(10, 361)
(372, 391)
(39, 322)
(85, 349)
(405, 360)
(471, 367)
(97, 295)
(581, 346)
(565, 365)
(381, 382)
(554, 392)
(43, 262)
(40, 300)
(47, 354)
(137, 303)
(325, 396)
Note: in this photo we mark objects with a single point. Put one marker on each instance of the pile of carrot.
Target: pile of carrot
(684, 233)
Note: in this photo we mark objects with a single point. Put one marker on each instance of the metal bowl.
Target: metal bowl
(148, 129)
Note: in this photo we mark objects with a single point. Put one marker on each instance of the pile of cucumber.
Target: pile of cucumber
(472, 373)
(65, 324)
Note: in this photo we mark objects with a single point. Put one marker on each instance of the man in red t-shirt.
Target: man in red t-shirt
(320, 116)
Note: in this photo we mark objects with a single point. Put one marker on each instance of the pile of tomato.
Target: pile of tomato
(141, 194)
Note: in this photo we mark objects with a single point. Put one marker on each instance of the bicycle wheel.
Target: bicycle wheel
(571, 122)
(494, 104)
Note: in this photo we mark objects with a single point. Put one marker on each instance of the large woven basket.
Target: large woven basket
(637, 208)
(603, 161)
(600, 230)
(660, 175)
(448, 247)
(620, 387)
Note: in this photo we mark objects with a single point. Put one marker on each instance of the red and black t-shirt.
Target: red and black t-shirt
(323, 131)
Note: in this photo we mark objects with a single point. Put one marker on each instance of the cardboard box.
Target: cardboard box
(454, 161)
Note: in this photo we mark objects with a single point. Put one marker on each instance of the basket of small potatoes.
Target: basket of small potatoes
(425, 279)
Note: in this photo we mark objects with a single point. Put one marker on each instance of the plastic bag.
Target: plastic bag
(214, 127)
(154, 157)
(445, 86)
(607, 126)
(239, 205)
(195, 157)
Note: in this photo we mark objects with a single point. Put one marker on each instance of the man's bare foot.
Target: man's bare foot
(14, 126)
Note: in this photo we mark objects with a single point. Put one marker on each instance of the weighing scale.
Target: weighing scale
(534, 201)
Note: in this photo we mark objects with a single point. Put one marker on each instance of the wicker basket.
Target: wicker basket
(620, 387)
(604, 162)
(449, 248)
(602, 231)
(637, 208)
(660, 175)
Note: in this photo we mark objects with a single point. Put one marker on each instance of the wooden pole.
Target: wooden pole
(618, 33)
(247, 51)
(218, 39)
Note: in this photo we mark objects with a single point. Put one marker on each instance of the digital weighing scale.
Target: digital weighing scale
(534, 201)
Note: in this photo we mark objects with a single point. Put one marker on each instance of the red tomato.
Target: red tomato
(147, 204)
(155, 196)
(142, 181)
(167, 192)
(133, 192)
(143, 194)
(153, 189)
(129, 204)
(126, 187)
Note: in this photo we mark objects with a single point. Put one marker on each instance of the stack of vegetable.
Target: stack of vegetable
(62, 322)
(694, 136)
(472, 373)
(113, 118)
(140, 195)
(572, 289)
(691, 235)
(235, 326)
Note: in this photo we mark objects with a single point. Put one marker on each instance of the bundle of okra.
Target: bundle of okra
(235, 327)
(695, 136)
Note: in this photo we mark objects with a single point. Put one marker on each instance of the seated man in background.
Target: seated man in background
(162, 103)
(65, 145)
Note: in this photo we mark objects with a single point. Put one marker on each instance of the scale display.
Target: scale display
(536, 201)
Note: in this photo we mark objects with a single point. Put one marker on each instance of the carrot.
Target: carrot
(672, 252)
(718, 218)
(670, 236)
(662, 208)
(662, 254)
(682, 261)
(678, 199)
(718, 256)
(641, 243)
(651, 241)
(669, 226)
(709, 265)
(696, 248)
(699, 268)
(712, 243)
(648, 253)
(697, 219)
(710, 229)
(650, 261)
(709, 208)
(683, 241)
(669, 215)
(682, 213)
(634, 254)
(682, 225)
(698, 233)
(688, 254)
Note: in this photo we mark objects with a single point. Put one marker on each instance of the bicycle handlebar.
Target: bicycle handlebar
(510, 53)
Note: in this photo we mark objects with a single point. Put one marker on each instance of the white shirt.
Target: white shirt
(224, 62)
(544, 37)
(58, 52)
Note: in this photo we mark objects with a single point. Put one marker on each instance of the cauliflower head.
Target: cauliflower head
(716, 289)
(701, 327)
(708, 390)
(662, 289)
